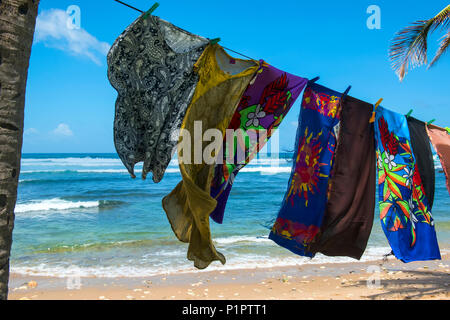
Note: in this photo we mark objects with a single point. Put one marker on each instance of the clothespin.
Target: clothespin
(346, 92)
(448, 130)
(313, 80)
(214, 41)
(409, 113)
(150, 11)
(372, 118)
(431, 121)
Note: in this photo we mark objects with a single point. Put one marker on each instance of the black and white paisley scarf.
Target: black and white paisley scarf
(151, 67)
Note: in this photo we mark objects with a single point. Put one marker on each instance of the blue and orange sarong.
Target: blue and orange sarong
(304, 203)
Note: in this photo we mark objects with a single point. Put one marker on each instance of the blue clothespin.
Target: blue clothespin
(150, 11)
(313, 80)
(346, 92)
(409, 113)
(214, 41)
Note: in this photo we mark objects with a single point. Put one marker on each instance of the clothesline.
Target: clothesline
(243, 55)
(129, 6)
(125, 4)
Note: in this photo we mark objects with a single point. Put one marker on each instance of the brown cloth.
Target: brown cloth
(349, 214)
(441, 143)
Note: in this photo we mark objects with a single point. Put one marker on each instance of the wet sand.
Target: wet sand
(418, 280)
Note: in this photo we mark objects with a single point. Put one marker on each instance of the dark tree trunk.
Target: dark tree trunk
(17, 23)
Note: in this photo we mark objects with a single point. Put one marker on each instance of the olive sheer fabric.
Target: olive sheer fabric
(222, 82)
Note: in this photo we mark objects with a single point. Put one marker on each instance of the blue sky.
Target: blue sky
(70, 103)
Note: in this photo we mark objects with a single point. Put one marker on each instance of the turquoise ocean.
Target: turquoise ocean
(84, 211)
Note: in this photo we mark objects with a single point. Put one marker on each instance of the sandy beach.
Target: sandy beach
(418, 280)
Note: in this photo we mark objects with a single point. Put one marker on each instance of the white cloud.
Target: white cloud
(52, 30)
(30, 131)
(63, 130)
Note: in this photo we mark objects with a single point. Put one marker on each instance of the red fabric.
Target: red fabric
(440, 140)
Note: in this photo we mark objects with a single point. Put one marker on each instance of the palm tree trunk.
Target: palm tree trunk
(17, 23)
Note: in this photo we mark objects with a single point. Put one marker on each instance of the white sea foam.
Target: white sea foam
(102, 162)
(248, 169)
(109, 162)
(269, 161)
(142, 268)
(53, 205)
(77, 171)
(115, 166)
(267, 170)
(241, 239)
(82, 162)
(102, 171)
(41, 171)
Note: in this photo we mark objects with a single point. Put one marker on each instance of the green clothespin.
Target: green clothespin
(150, 11)
(214, 41)
(409, 113)
(448, 130)
(431, 121)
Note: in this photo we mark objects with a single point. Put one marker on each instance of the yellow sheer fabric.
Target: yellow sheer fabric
(222, 82)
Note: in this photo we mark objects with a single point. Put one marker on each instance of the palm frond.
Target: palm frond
(409, 46)
(442, 19)
(445, 43)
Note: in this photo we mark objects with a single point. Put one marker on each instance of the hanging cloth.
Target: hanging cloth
(349, 213)
(420, 144)
(404, 208)
(440, 139)
(261, 110)
(304, 203)
(223, 80)
(151, 67)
